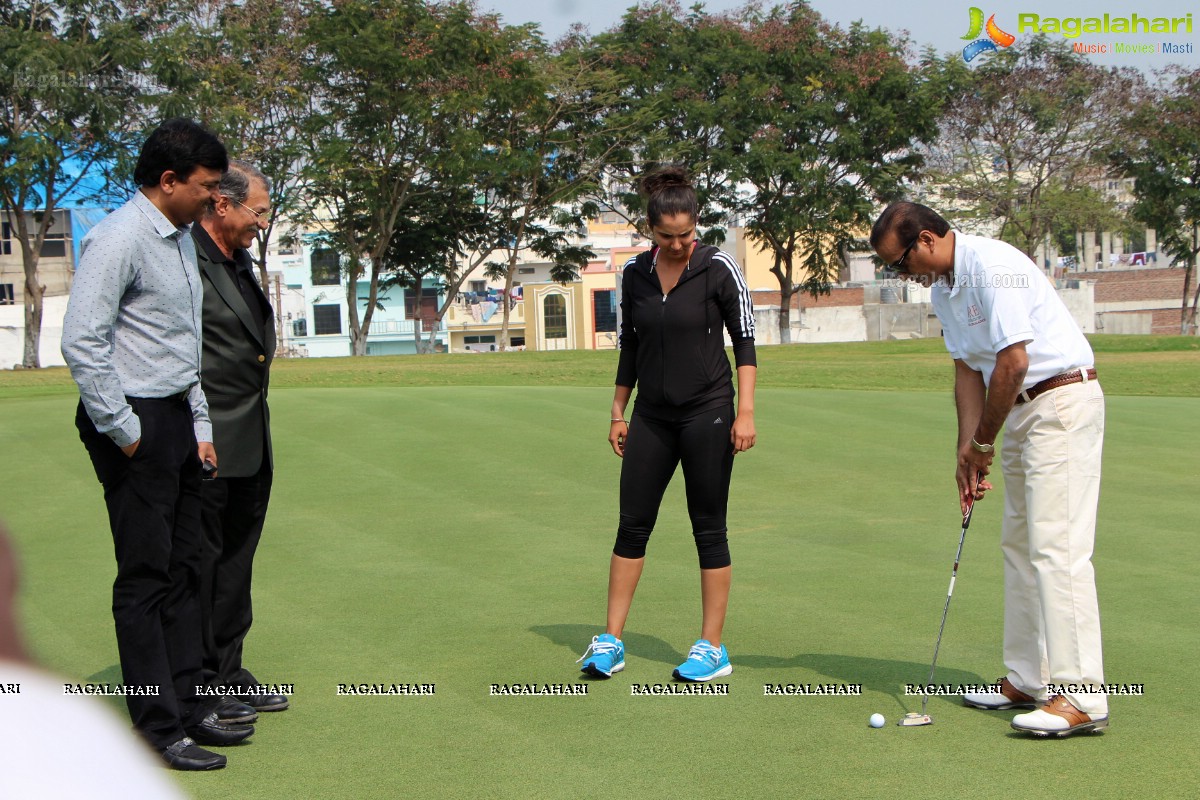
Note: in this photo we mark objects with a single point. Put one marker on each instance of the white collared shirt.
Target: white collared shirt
(1000, 298)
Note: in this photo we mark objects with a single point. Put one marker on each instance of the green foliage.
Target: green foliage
(680, 74)
(237, 66)
(404, 91)
(68, 85)
(1024, 137)
(826, 129)
(1164, 160)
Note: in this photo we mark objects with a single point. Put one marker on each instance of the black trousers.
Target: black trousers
(233, 513)
(153, 504)
(654, 448)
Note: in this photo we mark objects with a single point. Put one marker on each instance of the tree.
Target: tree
(826, 126)
(1164, 160)
(1022, 131)
(69, 95)
(237, 66)
(437, 231)
(552, 151)
(402, 90)
(677, 74)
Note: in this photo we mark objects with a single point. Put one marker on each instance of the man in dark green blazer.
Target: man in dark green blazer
(239, 343)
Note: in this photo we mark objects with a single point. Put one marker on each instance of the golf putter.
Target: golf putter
(912, 719)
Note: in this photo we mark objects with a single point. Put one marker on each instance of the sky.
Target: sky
(935, 22)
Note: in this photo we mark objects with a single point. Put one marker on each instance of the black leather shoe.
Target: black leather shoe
(230, 710)
(264, 702)
(212, 731)
(187, 755)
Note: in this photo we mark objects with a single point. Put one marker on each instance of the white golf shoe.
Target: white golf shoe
(1008, 697)
(1058, 718)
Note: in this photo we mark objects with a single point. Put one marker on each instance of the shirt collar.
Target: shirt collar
(960, 260)
(205, 240)
(691, 254)
(163, 226)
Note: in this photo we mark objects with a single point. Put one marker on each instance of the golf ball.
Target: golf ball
(877, 720)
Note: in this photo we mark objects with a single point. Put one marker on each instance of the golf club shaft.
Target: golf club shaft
(949, 593)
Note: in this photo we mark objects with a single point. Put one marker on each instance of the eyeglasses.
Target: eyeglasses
(898, 265)
(260, 216)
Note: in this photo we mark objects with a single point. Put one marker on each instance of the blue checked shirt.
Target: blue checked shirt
(133, 325)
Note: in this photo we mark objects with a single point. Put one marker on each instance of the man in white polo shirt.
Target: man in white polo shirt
(1021, 363)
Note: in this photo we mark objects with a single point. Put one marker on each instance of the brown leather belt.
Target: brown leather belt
(1065, 379)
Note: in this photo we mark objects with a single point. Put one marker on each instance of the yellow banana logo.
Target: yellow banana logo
(976, 24)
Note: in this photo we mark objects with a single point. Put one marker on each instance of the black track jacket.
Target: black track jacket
(672, 347)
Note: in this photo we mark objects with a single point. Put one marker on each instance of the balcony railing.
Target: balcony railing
(462, 314)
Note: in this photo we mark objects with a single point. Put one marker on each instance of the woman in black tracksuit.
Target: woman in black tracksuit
(677, 299)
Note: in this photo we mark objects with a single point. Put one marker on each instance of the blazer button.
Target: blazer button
(261, 359)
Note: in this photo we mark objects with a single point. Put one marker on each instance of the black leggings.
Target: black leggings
(653, 449)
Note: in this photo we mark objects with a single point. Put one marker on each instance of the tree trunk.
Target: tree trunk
(508, 286)
(431, 346)
(1192, 315)
(358, 332)
(33, 307)
(508, 278)
(783, 273)
(1188, 320)
(33, 325)
(1183, 311)
(785, 314)
(1191, 319)
(358, 342)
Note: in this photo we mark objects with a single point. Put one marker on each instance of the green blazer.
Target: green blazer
(235, 371)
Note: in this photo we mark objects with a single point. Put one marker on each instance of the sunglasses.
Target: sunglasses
(898, 265)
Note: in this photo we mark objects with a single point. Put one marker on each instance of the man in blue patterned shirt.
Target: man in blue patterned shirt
(131, 338)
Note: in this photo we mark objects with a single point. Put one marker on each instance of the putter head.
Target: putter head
(912, 720)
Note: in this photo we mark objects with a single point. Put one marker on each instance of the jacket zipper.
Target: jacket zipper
(662, 339)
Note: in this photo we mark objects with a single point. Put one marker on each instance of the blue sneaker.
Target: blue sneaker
(608, 656)
(704, 662)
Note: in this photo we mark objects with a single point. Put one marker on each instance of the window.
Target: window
(325, 271)
(427, 312)
(604, 310)
(479, 339)
(554, 316)
(54, 248)
(7, 298)
(327, 320)
(526, 270)
(478, 287)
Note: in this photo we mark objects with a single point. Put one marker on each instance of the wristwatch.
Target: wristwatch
(982, 448)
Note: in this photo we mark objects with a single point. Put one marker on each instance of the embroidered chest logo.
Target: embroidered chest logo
(974, 316)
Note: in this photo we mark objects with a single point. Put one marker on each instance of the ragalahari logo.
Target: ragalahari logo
(996, 38)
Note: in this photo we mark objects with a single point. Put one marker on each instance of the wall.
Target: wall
(1126, 322)
(12, 333)
(1080, 301)
(900, 321)
(1125, 299)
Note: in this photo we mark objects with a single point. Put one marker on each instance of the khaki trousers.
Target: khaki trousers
(1051, 464)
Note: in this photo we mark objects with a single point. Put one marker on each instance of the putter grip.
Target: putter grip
(971, 505)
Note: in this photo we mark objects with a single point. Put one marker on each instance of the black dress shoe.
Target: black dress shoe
(230, 710)
(212, 731)
(264, 702)
(187, 755)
